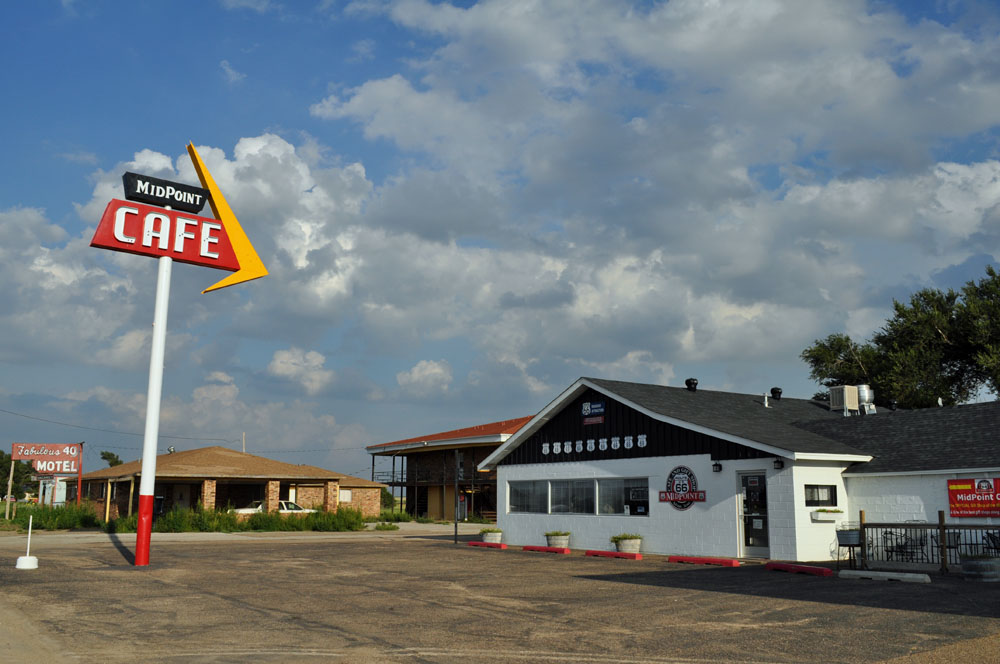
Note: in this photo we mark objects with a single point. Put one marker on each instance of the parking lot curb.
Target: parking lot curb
(489, 545)
(615, 554)
(799, 569)
(908, 577)
(701, 560)
(545, 549)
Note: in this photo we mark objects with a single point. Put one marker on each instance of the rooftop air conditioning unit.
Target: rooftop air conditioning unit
(845, 398)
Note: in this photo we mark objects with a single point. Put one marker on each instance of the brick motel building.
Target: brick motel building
(220, 478)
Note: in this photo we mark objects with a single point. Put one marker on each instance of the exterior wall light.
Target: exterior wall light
(716, 467)
(778, 464)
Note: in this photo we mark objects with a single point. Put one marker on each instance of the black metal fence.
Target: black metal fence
(918, 544)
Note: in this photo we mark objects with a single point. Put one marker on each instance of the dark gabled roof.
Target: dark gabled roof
(223, 463)
(955, 437)
(740, 415)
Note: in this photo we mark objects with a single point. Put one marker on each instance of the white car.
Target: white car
(284, 507)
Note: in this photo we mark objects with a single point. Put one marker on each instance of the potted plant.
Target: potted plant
(558, 538)
(627, 542)
(849, 534)
(826, 514)
(979, 567)
(492, 535)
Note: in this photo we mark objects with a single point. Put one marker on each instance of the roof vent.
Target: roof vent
(776, 393)
(866, 399)
(692, 384)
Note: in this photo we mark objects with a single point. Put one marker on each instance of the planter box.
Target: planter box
(493, 538)
(629, 545)
(826, 516)
(558, 541)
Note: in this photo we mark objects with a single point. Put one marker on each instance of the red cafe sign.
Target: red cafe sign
(50, 458)
(979, 497)
(137, 228)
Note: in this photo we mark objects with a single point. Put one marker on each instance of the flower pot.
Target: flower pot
(628, 545)
(558, 541)
(492, 538)
(848, 537)
(817, 515)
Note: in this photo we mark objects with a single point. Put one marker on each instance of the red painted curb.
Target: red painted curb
(546, 549)
(488, 545)
(800, 569)
(614, 554)
(699, 560)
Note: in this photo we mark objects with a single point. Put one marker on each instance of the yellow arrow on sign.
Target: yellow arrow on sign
(251, 267)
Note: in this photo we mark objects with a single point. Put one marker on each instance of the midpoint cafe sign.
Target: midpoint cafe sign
(160, 219)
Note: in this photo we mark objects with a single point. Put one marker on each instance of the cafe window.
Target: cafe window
(624, 496)
(821, 495)
(573, 497)
(532, 497)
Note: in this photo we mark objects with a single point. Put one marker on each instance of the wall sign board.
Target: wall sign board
(974, 497)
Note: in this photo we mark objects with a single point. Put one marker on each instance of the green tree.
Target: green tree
(939, 345)
(111, 458)
(979, 318)
(388, 501)
(22, 475)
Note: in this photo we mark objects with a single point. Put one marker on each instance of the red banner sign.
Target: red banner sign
(147, 230)
(50, 458)
(974, 497)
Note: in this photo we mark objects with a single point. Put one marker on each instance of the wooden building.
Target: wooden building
(427, 468)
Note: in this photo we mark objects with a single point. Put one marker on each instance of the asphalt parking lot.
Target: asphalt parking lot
(414, 596)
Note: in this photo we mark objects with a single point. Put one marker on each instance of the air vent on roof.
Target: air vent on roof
(776, 393)
(692, 384)
(845, 398)
(866, 399)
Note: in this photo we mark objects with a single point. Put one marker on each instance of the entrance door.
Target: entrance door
(754, 514)
(182, 496)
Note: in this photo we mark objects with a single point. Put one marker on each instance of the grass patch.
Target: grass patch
(386, 526)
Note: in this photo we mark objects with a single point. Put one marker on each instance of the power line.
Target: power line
(120, 433)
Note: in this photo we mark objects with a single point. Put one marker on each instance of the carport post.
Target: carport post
(147, 483)
(456, 495)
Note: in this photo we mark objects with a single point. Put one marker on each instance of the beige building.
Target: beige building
(220, 478)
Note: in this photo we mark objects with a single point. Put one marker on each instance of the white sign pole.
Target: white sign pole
(147, 482)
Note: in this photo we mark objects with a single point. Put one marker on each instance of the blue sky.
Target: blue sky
(465, 207)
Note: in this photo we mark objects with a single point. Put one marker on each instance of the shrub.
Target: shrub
(424, 519)
(342, 520)
(123, 524)
(390, 517)
(475, 518)
(386, 526)
(63, 517)
(490, 530)
(624, 536)
(557, 533)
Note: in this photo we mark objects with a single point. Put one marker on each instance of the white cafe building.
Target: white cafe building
(707, 473)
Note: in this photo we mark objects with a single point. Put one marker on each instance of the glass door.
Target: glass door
(754, 514)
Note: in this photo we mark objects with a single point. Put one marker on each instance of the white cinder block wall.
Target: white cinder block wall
(711, 528)
(817, 540)
(897, 498)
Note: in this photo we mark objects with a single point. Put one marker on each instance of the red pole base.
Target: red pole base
(143, 530)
